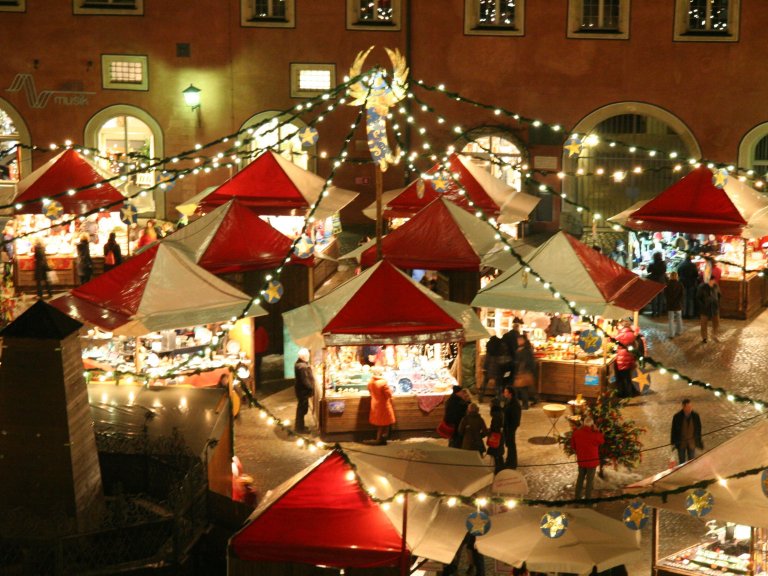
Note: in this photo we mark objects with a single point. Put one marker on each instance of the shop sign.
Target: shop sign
(35, 99)
(336, 406)
(591, 380)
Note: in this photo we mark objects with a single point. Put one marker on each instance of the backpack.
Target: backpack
(109, 258)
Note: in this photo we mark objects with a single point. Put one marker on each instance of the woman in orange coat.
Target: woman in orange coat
(382, 413)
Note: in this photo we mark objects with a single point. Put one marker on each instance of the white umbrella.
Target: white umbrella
(591, 540)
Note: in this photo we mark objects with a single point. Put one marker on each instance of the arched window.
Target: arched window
(124, 135)
(15, 162)
(612, 178)
(271, 131)
(753, 150)
(497, 153)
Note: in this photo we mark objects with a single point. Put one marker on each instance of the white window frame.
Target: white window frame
(106, 79)
(23, 136)
(16, 6)
(575, 30)
(79, 7)
(249, 20)
(472, 26)
(682, 34)
(298, 67)
(747, 148)
(354, 22)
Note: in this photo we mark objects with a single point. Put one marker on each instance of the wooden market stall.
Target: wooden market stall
(382, 317)
(720, 205)
(575, 360)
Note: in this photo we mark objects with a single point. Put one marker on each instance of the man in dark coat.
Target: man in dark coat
(708, 300)
(305, 388)
(675, 295)
(689, 277)
(512, 414)
(455, 409)
(686, 432)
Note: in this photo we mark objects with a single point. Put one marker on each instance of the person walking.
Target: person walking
(689, 277)
(495, 435)
(382, 414)
(473, 429)
(685, 435)
(512, 416)
(625, 359)
(525, 372)
(455, 410)
(657, 271)
(493, 370)
(586, 441)
(675, 296)
(619, 253)
(708, 300)
(304, 386)
(84, 262)
(41, 269)
(113, 256)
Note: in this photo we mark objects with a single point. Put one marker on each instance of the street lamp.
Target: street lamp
(192, 97)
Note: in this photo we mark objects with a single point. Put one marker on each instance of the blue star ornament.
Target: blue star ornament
(590, 341)
(478, 523)
(308, 137)
(636, 515)
(304, 247)
(699, 502)
(720, 178)
(128, 214)
(553, 524)
(53, 210)
(441, 183)
(573, 146)
(274, 292)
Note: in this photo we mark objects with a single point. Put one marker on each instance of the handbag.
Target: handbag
(445, 430)
(493, 440)
(109, 259)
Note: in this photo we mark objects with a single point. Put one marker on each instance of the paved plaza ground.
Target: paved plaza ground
(737, 363)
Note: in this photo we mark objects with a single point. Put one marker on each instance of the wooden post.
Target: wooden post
(404, 567)
(636, 318)
(379, 224)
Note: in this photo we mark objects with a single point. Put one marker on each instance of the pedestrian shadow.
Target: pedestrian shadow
(542, 440)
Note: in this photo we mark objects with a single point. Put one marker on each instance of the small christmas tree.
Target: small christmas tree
(622, 438)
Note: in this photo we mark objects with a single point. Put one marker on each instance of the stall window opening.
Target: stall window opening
(9, 154)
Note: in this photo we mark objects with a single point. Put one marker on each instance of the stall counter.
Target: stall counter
(741, 298)
(566, 379)
(62, 271)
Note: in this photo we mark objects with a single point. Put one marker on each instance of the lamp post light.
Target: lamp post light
(192, 96)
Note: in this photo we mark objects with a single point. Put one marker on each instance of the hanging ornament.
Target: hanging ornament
(641, 381)
(720, 178)
(590, 341)
(440, 183)
(274, 292)
(478, 523)
(308, 137)
(128, 214)
(573, 146)
(699, 502)
(53, 210)
(764, 482)
(304, 247)
(554, 524)
(636, 515)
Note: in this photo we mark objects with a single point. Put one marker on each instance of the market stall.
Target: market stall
(282, 193)
(382, 317)
(729, 532)
(599, 287)
(710, 204)
(36, 212)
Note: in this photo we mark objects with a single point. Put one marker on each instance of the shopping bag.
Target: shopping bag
(445, 430)
(493, 440)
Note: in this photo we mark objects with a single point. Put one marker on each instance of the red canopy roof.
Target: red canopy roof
(233, 238)
(69, 170)
(389, 304)
(326, 519)
(431, 240)
(693, 204)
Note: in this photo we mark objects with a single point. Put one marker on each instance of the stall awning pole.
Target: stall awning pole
(379, 224)
(404, 564)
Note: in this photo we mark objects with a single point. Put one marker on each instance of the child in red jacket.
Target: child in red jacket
(586, 441)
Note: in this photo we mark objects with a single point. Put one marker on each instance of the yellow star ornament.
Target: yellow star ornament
(308, 137)
(478, 523)
(764, 482)
(573, 146)
(642, 381)
(440, 183)
(553, 524)
(720, 178)
(636, 515)
(274, 292)
(699, 503)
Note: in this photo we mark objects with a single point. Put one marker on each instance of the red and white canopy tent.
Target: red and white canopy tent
(66, 171)
(159, 289)
(470, 183)
(233, 238)
(441, 236)
(272, 185)
(323, 517)
(596, 283)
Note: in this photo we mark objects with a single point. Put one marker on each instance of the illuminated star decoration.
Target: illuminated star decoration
(636, 515)
(304, 247)
(54, 210)
(440, 183)
(128, 214)
(720, 178)
(642, 382)
(573, 146)
(764, 482)
(274, 292)
(308, 137)
(699, 503)
(478, 523)
(553, 524)
(590, 341)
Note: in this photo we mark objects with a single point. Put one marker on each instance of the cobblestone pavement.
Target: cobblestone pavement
(738, 363)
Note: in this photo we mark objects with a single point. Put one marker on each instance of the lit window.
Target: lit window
(13, 5)
(598, 19)
(494, 17)
(374, 14)
(309, 80)
(115, 7)
(267, 13)
(273, 132)
(707, 20)
(760, 158)
(9, 154)
(124, 72)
